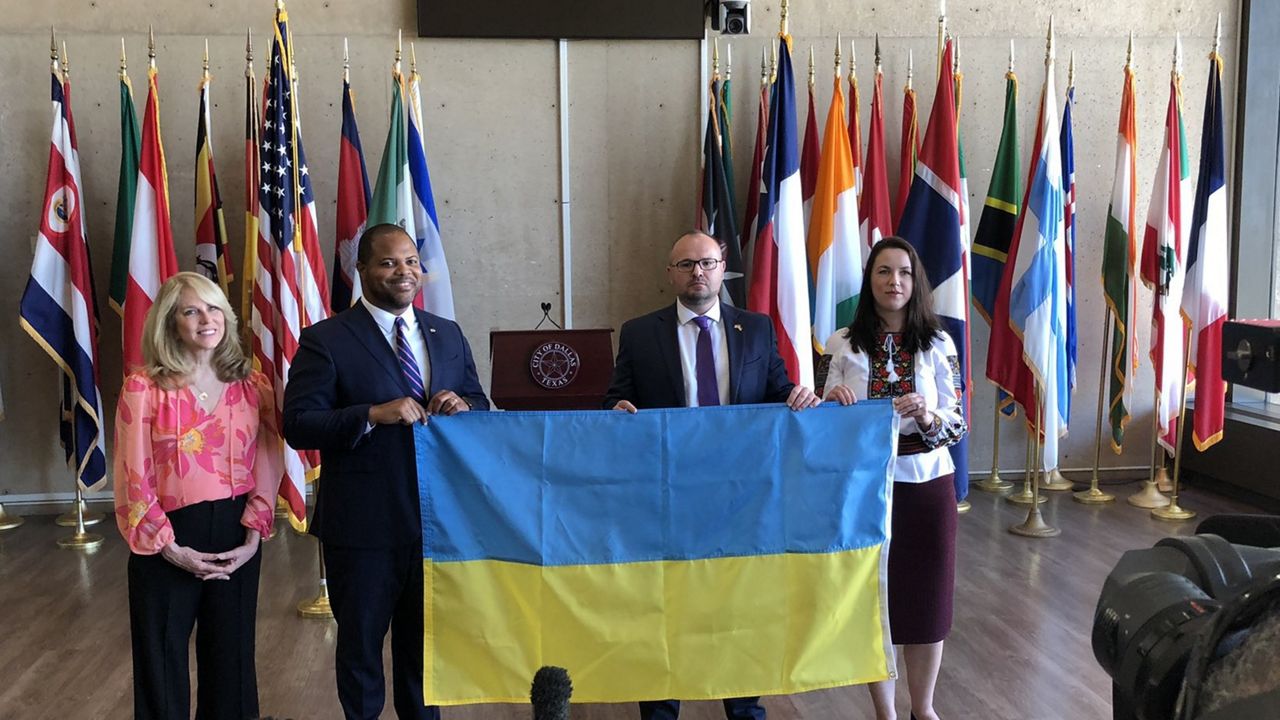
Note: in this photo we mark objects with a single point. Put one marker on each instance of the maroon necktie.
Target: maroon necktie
(704, 365)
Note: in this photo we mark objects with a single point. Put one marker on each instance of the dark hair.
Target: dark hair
(364, 248)
(921, 325)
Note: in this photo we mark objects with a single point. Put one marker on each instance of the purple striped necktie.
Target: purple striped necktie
(408, 365)
(704, 365)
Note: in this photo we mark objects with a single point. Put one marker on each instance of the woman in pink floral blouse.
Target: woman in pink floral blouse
(197, 467)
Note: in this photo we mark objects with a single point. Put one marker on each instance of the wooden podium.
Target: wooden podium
(550, 369)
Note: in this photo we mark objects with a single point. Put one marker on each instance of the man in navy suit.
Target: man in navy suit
(696, 353)
(358, 383)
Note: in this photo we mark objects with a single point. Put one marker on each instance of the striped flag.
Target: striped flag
(252, 180)
(1164, 253)
(723, 104)
(750, 227)
(932, 223)
(58, 309)
(810, 156)
(436, 295)
(1037, 306)
(1206, 294)
(910, 149)
(999, 216)
(213, 257)
(1119, 265)
(393, 192)
(126, 190)
(779, 283)
(1068, 149)
(873, 205)
(151, 254)
(855, 122)
(353, 205)
(715, 207)
(289, 290)
(835, 253)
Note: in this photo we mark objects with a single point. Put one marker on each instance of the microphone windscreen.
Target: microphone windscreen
(550, 693)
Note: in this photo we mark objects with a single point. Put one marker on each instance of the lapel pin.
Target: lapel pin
(431, 329)
(737, 326)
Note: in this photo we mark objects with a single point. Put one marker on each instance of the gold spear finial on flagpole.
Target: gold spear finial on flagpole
(66, 63)
(764, 66)
(53, 50)
(879, 69)
(1048, 44)
(124, 65)
(911, 67)
(1010, 54)
(1128, 58)
(413, 59)
(811, 76)
(715, 59)
(1071, 70)
(248, 52)
(1217, 34)
(728, 61)
(399, 49)
(942, 29)
(206, 58)
(773, 65)
(1177, 54)
(839, 63)
(955, 54)
(151, 46)
(853, 60)
(279, 5)
(783, 22)
(346, 61)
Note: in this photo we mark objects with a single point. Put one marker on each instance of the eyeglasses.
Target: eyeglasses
(707, 264)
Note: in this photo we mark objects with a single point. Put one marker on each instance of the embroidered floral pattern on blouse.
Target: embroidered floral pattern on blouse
(893, 368)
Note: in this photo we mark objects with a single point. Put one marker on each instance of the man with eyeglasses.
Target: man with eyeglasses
(699, 352)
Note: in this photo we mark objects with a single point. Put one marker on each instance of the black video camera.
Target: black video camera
(1166, 613)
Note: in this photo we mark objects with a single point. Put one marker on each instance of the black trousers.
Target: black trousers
(166, 602)
(734, 709)
(370, 590)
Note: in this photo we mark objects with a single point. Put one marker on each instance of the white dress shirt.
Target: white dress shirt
(687, 334)
(413, 333)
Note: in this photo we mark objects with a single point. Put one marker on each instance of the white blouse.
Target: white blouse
(936, 378)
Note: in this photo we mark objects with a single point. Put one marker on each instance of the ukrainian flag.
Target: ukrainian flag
(687, 553)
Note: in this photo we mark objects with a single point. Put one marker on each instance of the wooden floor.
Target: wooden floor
(1020, 648)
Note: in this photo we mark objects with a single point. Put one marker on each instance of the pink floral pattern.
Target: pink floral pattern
(170, 453)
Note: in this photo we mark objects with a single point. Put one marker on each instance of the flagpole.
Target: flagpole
(1094, 496)
(1034, 525)
(993, 483)
(1173, 512)
(942, 31)
(1056, 481)
(1027, 495)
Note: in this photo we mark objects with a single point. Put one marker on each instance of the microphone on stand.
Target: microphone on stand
(550, 693)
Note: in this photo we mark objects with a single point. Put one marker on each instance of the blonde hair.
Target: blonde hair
(165, 358)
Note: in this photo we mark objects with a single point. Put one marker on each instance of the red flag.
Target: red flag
(810, 157)
(873, 203)
(910, 149)
(749, 229)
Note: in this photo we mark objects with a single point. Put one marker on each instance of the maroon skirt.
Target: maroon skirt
(922, 561)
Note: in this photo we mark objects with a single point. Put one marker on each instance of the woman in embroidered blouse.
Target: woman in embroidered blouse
(197, 467)
(896, 348)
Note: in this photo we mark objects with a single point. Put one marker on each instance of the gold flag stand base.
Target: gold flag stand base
(1163, 483)
(1148, 497)
(1025, 497)
(80, 541)
(1093, 496)
(963, 507)
(1035, 526)
(317, 608)
(1057, 483)
(68, 518)
(9, 522)
(994, 484)
(1172, 513)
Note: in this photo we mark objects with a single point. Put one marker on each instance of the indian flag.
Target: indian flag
(1119, 266)
(835, 260)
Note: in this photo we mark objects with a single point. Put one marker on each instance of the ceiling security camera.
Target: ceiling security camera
(731, 17)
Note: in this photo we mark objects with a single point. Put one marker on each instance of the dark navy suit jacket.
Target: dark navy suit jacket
(368, 494)
(648, 372)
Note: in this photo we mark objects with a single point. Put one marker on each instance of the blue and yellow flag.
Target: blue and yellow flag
(652, 557)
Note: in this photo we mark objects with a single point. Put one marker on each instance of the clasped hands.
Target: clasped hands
(911, 405)
(212, 566)
(407, 410)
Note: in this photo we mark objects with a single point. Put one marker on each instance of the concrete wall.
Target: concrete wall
(493, 144)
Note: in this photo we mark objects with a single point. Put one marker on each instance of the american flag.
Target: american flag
(290, 290)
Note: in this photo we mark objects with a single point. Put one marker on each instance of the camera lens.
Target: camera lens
(735, 25)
